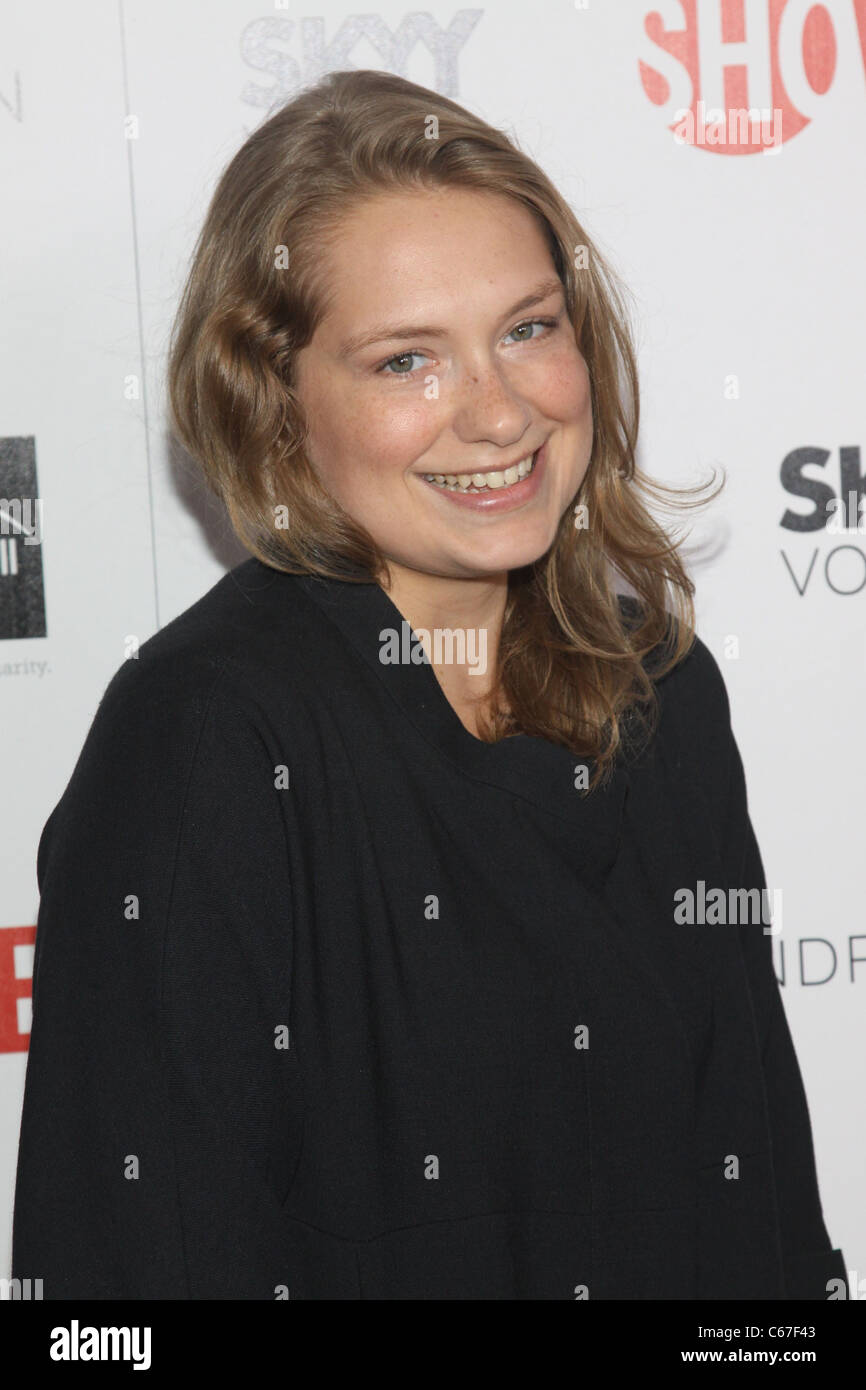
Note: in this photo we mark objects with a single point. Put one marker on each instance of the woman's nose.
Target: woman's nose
(489, 407)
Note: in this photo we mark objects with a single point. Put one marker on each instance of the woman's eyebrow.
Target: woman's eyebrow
(384, 331)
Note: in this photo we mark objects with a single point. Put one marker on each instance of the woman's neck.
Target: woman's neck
(460, 623)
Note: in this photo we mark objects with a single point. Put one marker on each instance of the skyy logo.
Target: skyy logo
(312, 52)
(743, 76)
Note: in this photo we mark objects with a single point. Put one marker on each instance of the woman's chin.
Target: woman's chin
(511, 553)
(455, 556)
(481, 563)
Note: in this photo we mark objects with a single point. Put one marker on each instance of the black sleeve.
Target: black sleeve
(810, 1261)
(162, 1114)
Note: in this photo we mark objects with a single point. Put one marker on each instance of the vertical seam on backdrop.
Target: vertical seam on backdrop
(141, 352)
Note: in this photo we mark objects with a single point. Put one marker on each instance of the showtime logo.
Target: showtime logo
(17, 950)
(743, 76)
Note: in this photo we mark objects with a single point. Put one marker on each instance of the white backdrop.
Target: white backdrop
(746, 266)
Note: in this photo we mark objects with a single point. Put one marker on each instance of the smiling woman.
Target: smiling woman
(389, 307)
(354, 980)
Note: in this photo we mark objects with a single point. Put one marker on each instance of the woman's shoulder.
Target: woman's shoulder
(250, 639)
(205, 705)
(693, 697)
(697, 675)
(227, 668)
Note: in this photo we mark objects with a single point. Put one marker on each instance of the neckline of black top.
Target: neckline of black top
(527, 767)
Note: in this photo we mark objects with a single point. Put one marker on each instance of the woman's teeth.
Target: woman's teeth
(482, 482)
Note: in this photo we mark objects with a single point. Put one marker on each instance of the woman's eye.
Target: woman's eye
(401, 357)
(531, 323)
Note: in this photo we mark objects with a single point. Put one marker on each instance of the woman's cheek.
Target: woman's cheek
(402, 431)
(568, 397)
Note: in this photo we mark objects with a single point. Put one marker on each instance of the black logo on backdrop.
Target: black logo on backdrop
(22, 592)
(837, 514)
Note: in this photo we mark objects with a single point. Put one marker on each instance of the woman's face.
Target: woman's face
(447, 352)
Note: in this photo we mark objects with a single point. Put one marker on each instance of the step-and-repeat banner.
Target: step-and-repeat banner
(714, 150)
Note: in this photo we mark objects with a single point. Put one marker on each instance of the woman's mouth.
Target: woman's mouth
(493, 490)
(478, 482)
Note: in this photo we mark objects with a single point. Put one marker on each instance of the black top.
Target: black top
(419, 1024)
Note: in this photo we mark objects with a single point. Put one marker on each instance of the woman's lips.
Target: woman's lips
(501, 499)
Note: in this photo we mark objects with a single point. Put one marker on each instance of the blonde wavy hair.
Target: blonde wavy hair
(575, 666)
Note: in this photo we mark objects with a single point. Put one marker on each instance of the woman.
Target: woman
(359, 972)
